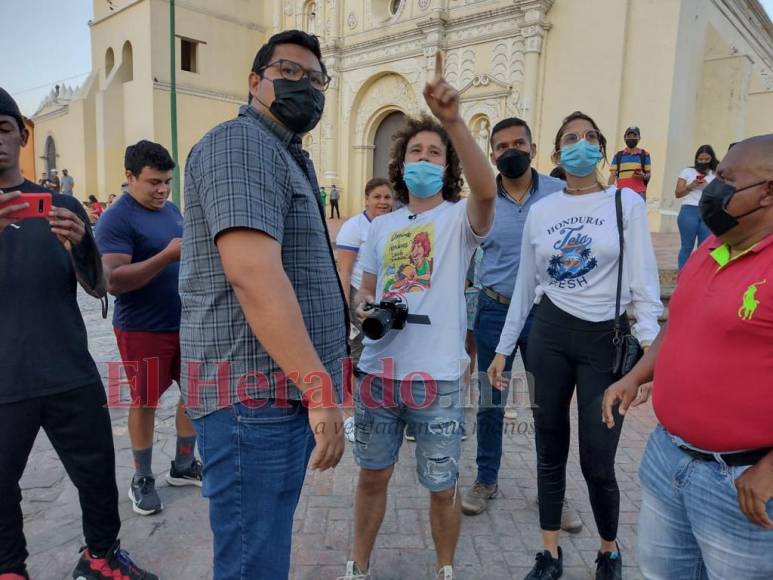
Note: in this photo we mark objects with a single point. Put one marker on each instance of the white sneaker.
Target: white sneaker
(353, 573)
(511, 413)
(349, 429)
(445, 573)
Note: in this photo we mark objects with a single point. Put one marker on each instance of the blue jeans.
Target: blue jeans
(254, 465)
(691, 226)
(435, 414)
(491, 402)
(690, 526)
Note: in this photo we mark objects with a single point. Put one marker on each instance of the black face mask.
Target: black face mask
(297, 104)
(713, 206)
(631, 143)
(703, 167)
(513, 163)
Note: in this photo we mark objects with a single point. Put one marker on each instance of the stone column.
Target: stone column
(533, 27)
(359, 170)
(533, 36)
(330, 124)
(330, 129)
(434, 29)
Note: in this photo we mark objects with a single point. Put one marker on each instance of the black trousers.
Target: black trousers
(334, 207)
(77, 423)
(565, 351)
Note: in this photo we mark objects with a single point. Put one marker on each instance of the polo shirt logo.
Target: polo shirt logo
(750, 302)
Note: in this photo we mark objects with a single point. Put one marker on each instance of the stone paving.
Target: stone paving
(176, 544)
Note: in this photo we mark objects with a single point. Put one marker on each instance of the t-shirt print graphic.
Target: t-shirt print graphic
(408, 260)
(574, 258)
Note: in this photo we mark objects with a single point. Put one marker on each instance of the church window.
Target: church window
(189, 50)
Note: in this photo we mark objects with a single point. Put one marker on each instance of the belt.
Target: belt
(731, 459)
(496, 296)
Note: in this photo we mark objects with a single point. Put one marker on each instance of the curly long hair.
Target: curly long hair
(452, 181)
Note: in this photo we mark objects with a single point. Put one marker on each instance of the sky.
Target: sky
(64, 55)
(43, 60)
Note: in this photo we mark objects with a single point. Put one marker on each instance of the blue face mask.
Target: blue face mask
(423, 179)
(581, 158)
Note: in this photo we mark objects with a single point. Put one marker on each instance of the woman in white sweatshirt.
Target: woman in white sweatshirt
(569, 267)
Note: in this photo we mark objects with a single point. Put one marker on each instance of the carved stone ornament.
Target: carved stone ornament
(534, 44)
(533, 30)
(387, 91)
(424, 4)
(480, 81)
(352, 20)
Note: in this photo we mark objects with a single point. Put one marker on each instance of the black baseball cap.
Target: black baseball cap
(632, 130)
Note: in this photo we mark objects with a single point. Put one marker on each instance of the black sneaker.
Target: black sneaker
(547, 567)
(145, 500)
(609, 566)
(116, 564)
(190, 476)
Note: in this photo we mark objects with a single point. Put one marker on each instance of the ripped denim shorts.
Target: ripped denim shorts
(433, 409)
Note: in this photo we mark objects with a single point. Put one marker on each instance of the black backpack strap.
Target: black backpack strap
(643, 158)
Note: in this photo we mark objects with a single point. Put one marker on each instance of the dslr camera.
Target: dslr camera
(386, 315)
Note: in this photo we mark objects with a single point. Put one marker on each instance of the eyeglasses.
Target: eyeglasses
(292, 71)
(591, 137)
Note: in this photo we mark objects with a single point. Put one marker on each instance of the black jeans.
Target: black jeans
(565, 351)
(77, 423)
(334, 207)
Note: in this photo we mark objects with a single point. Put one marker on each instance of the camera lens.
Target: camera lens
(378, 324)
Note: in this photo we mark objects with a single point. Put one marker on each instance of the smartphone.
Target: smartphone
(700, 177)
(39, 206)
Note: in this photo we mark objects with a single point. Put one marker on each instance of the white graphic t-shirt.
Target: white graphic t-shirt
(689, 174)
(352, 237)
(570, 254)
(422, 259)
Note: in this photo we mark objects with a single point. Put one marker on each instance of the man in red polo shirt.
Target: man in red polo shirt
(707, 473)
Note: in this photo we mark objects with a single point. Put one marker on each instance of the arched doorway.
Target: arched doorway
(383, 143)
(50, 155)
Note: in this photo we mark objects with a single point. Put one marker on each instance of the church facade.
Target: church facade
(686, 72)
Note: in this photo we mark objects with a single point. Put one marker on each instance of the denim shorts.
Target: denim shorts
(382, 409)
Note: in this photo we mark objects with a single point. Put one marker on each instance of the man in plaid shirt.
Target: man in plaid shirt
(264, 319)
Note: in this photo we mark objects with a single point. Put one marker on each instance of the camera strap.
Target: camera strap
(418, 319)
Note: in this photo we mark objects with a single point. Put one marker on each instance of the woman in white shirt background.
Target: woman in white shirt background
(352, 236)
(569, 266)
(689, 188)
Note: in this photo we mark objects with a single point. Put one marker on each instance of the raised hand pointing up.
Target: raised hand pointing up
(441, 97)
(443, 101)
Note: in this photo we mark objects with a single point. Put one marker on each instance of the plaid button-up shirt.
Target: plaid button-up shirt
(252, 173)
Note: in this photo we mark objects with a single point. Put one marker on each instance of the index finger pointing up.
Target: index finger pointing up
(438, 64)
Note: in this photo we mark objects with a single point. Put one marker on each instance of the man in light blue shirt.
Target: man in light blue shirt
(519, 187)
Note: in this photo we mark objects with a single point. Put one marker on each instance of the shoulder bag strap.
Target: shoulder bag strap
(619, 212)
